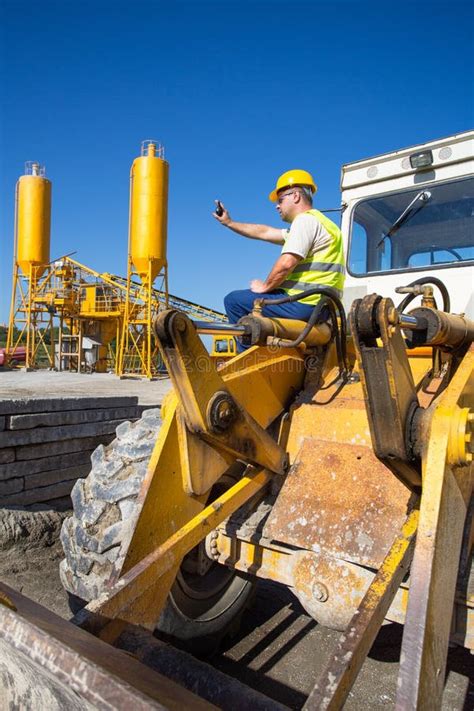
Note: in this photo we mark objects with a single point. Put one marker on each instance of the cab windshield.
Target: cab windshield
(441, 233)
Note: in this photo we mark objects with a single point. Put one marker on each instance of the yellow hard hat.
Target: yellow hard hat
(293, 177)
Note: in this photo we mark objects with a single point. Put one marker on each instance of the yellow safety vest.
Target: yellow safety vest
(324, 268)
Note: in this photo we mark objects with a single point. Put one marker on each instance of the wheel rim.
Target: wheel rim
(203, 597)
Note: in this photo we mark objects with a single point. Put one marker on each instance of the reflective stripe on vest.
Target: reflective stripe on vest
(324, 268)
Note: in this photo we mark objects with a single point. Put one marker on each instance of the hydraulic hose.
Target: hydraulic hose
(427, 280)
(325, 290)
(446, 308)
(336, 308)
(311, 322)
(340, 342)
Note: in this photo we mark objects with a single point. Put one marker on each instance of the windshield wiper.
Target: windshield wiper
(410, 211)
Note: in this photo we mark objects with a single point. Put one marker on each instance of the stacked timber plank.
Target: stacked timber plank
(45, 444)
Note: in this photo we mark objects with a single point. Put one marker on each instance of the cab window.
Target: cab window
(437, 231)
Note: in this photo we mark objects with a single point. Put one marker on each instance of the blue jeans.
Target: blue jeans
(240, 303)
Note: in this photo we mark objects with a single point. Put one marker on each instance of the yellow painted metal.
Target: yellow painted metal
(202, 465)
(388, 383)
(275, 331)
(460, 436)
(42, 291)
(164, 504)
(265, 380)
(223, 347)
(299, 569)
(336, 681)
(6, 601)
(83, 300)
(208, 408)
(447, 490)
(330, 447)
(138, 352)
(124, 600)
(148, 213)
(33, 224)
(30, 325)
(265, 560)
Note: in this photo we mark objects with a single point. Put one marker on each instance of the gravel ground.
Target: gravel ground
(279, 650)
(44, 383)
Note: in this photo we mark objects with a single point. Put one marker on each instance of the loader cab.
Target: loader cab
(223, 348)
(410, 214)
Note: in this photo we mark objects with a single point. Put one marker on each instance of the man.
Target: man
(312, 253)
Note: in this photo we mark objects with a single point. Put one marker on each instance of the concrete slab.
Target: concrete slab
(72, 417)
(37, 451)
(57, 403)
(43, 494)
(7, 455)
(11, 486)
(46, 478)
(46, 464)
(55, 434)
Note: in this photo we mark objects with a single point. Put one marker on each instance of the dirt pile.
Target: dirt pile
(30, 553)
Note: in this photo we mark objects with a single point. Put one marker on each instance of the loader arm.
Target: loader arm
(434, 443)
(341, 525)
(211, 421)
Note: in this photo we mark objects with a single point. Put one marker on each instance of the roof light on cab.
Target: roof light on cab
(421, 160)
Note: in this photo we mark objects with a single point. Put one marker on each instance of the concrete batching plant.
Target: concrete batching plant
(103, 321)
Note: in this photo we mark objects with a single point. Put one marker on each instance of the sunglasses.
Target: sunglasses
(282, 197)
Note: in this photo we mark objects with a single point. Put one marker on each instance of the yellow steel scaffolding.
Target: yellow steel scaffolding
(70, 317)
(89, 308)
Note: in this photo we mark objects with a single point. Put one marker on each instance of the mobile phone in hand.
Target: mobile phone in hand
(219, 209)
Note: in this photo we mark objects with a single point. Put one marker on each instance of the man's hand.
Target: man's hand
(225, 218)
(250, 230)
(258, 286)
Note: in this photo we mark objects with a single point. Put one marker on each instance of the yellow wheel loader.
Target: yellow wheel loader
(334, 458)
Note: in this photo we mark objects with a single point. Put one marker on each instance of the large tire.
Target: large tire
(202, 606)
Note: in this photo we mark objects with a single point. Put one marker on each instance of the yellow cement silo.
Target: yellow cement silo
(148, 212)
(33, 221)
(30, 324)
(138, 351)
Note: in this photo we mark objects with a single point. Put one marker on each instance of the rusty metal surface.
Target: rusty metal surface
(238, 543)
(447, 490)
(388, 384)
(335, 683)
(261, 383)
(48, 664)
(339, 499)
(207, 405)
(24, 686)
(329, 589)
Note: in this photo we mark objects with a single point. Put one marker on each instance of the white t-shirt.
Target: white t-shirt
(305, 237)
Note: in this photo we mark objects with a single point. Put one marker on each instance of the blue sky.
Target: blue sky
(237, 92)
